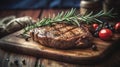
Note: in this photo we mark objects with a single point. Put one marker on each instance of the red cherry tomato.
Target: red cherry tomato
(95, 26)
(105, 34)
(117, 27)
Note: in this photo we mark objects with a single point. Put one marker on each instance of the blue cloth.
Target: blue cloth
(37, 4)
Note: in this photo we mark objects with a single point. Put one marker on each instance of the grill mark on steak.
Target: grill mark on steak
(62, 36)
(67, 30)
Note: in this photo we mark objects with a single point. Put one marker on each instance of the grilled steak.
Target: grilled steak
(62, 36)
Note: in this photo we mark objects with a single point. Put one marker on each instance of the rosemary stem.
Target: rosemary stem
(70, 17)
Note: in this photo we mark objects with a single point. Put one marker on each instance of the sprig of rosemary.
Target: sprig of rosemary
(70, 17)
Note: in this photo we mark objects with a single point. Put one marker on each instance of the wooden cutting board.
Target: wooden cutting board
(82, 56)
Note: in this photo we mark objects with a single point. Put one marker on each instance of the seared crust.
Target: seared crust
(62, 36)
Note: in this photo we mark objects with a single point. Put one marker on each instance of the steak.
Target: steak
(62, 36)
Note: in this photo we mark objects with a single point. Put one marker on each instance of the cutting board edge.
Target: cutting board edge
(41, 54)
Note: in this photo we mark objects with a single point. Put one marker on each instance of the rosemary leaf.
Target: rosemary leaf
(70, 17)
(90, 14)
(98, 20)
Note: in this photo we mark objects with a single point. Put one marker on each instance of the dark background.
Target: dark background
(38, 4)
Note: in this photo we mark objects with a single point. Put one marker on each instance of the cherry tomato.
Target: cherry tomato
(117, 27)
(105, 34)
(95, 26)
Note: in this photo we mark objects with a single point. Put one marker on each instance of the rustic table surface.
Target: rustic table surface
(17, 59)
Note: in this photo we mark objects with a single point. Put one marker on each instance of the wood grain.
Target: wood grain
(2, 55)
(52, 63)
(82, 56)
(8, 59)
(49, 12)
(23, 61)
(111, 61)
(32, 13)
(20, 13)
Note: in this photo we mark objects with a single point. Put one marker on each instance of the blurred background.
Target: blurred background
(38, 4)
(36, 9)
(59, 4)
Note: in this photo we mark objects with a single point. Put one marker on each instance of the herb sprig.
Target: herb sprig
(70, 17)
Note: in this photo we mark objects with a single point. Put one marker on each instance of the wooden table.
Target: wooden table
(10, 59)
